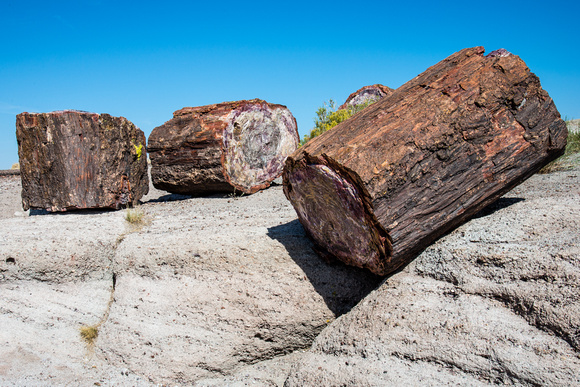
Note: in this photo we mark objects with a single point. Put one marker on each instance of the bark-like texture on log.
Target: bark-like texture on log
(78, 160)
(367, 93)
(231, 146)
(380, 187)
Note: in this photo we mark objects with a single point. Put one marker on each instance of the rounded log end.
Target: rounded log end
(257, 140)
(336, 214)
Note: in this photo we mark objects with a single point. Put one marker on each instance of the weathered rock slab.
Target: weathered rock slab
(496, 301)
(232, 146)
(78, 160)
(203, 288)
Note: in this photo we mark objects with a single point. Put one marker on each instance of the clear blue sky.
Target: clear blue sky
(144, 60)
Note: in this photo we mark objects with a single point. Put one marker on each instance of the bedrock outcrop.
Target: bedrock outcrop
(227, 291)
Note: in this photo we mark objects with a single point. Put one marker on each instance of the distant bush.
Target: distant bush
(15, 166)
(328, 116)
(572, 147)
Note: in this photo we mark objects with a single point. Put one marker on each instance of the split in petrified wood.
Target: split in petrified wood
(232, 146)
(380, 187)
(78, 160)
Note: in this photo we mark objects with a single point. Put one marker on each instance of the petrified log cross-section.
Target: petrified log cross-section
(366, 94)
(77, 160)
(380, 187)
(239, 146)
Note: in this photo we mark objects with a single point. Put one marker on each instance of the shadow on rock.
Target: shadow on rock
(169, 198)
(499, 204)
(341, 286)
(84, 211)
(179, 197)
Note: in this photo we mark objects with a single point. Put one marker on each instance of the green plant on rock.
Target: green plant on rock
(328, 116)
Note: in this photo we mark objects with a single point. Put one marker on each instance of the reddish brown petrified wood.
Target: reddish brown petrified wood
(232, 146)
(366, 94)
(77, 160)
(380, 187)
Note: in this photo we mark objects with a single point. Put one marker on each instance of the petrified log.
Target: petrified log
(366, 94)
(78, 160)
(231, 146)
(380, 187)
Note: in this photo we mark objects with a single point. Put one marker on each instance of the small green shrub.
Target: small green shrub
(328, 116)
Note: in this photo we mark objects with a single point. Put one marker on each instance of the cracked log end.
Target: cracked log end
(232, 146)
(334, 210)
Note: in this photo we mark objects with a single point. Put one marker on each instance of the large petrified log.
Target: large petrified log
(381, 186)
(231, 146)
(366, 94)
(77, 160)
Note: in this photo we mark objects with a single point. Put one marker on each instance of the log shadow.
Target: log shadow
(341, 286)
(499, 204)
(84, 211)
(168, 198)
(179, 197)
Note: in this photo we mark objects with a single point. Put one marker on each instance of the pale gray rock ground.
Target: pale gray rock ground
(496, 301)
(226, 291)
(206, 288)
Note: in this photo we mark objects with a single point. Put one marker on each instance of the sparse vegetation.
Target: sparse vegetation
(89, 334)
(16, 166)
(135, 216)
(573, 145)
(328, 116)
(563, 162)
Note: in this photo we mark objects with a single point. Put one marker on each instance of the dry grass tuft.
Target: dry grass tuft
(135, 216)
(89, 334)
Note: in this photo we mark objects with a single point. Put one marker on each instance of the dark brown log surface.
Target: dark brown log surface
(79, 160)
(239, 146)
(380, 187)
(367, 93)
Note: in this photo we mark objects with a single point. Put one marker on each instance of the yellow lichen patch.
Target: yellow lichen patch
(138, 150)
